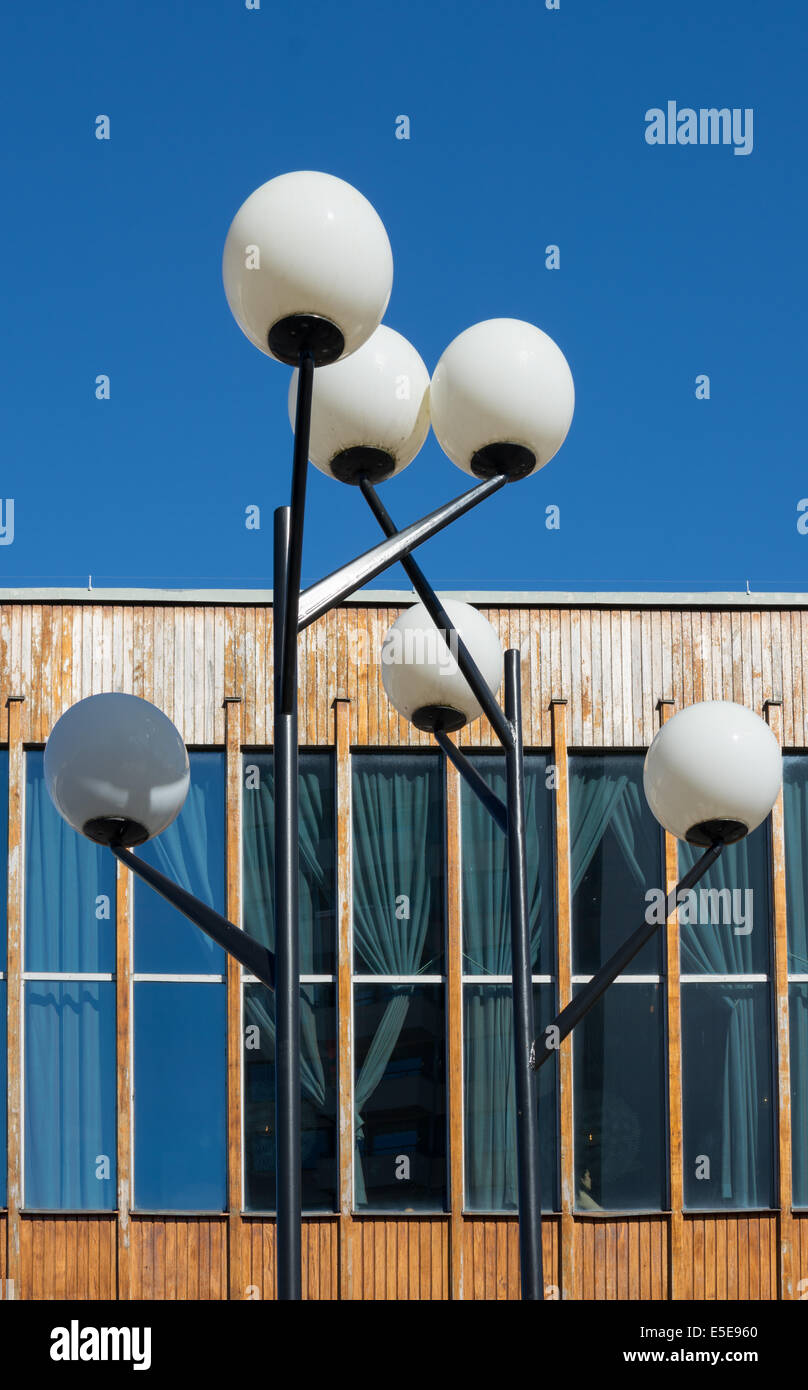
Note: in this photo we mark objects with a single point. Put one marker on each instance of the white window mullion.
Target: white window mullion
(723, 979)
(620, 979)
(178, 979)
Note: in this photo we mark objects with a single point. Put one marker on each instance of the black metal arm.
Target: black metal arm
(440, 617)
(252, 955)
(545, 1046)
(492, 803)
(328, 592)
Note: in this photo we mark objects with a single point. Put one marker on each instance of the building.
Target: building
(140, 1160)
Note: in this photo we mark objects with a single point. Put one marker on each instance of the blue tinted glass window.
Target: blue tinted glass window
(399, 1098)
(191, 851)
(798, 1010)
(180, 1131)
(3, 1096)
(399, 859)
(490, 1099)
(486, 902)
(70, 1095)
(725, 921)
(727, 1096)
(616, 855)
(318, 1066)
(69, 887)
(795, 810)
(619, 1102)
(317, 880)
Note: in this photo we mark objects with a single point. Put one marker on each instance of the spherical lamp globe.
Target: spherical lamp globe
(116, 769)
(307, 264)
(713, 773)
(420, 673)
(370, 411)
(502, 399)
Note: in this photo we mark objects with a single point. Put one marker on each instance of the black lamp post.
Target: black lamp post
(308, 271)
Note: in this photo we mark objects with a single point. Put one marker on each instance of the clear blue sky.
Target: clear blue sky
(527, 129)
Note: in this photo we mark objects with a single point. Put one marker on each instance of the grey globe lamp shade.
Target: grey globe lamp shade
(116, 769)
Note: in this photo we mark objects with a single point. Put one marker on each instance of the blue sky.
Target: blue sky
(527, 129)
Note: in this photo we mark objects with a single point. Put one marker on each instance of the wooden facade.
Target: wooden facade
(596, 674)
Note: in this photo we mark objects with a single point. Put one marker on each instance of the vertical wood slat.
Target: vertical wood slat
(342, 740)
(16, 782)
(568, 1235)
(123, 996)
(774, 713)
(673, 1013)
(233, 715)
(454, 1023)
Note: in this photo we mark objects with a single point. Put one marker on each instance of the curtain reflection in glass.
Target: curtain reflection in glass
(490, 1099)
(191, 852)
(616, 855)
(619, 1102)
(317, 878)
(318, 1065)
(727, 1104)
(70, 1095)
(399, 1098)
(399, 898)
(69, 887)
(798, 1010)
(486, 902)
(795, 810)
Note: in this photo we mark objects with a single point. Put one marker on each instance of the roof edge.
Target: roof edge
(401, 597)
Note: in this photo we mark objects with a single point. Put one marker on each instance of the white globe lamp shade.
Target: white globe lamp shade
(307, 264)
(370, 412)
(420, 673)
(502, 399)
(713, 773)
(116, 769)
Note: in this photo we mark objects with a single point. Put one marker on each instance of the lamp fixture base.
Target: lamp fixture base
(514, 460)
(354, 464)
(433, 719)
(716, 832)
(117, 831)
(305, 333)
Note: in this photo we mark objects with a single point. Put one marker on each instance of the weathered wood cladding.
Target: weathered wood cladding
(610, 666)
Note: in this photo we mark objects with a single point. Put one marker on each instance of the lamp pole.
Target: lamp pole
(500, 401)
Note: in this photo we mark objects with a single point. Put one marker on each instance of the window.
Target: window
(70, 1138)
(399, 919)
(795, 805)
(69, 1010)
(616, 855)
(3, 938)
(727, 1076)
(180, 1010)
(318, 1025)
(489, 1090)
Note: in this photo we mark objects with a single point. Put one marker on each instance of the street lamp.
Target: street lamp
(307, 270)
(711, 776)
